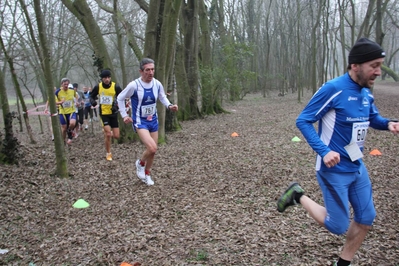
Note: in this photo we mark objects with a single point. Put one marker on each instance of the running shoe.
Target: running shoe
(69, 141)
(70, 134)
(109, 157)
(288, 197)
(148, 180)
(335, 264)
(140, 170)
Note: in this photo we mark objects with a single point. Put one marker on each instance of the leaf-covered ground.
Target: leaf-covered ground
(213, 202)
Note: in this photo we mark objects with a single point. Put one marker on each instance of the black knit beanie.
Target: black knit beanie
(105, 73)
(365, 50)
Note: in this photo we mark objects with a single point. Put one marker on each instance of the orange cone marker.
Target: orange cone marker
(375, 152)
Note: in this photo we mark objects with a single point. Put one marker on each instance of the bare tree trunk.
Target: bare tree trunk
(151, 31)
(9, 145)
(119, 44)
(208, 100)
(18, 91)
(268, 48)
(166, 57)
(342, 33)
(191, 48)
(364, 28)
(61, 169)
(379, 33)
(299, 74)
(314, 46)
(83, 13)
(126, 25)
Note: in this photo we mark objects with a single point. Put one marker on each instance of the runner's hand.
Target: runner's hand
(393, 127)
(331, 159)
(127, 120)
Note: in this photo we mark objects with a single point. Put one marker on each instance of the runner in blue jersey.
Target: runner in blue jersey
(144, 93)
(87, 108)
(345, 109)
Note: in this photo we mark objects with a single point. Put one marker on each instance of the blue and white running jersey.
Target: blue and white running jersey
(344, 110)
(143, 97)
(87, 98)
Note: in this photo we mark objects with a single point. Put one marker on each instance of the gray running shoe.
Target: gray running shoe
(288, 197)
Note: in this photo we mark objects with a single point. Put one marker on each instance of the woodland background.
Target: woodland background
(263, 59)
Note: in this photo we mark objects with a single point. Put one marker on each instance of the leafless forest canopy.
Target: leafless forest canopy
(245, 66)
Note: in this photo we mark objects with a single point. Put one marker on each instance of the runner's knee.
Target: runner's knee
(337, 226)
(367, 217)
(108, 134)
(152, 149)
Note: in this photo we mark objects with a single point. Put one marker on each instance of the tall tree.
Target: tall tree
(61, 169)
(190, 31)
(18, 90)
(166, 57)
(9, 145)
(316, 25)
(83, 13)
(210, 103)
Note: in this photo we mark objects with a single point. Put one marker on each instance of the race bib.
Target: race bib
(359, 133)
(106, 100)
(354, 151)
(67, 104)
(148, 110)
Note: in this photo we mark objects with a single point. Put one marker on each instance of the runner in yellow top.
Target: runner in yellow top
(65, 99)
(107, 92)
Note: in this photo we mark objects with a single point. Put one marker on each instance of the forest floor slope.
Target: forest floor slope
(213, 202)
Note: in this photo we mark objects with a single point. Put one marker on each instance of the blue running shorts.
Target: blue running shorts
(340, 189)
(64, 118)
(151, 126)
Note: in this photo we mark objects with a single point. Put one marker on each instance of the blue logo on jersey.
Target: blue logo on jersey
(365, 102)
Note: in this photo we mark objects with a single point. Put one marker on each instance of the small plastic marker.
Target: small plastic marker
(127, 264)
(375, 152)
(3, 251)
(81, 204)
(234, 134)
(296, 139)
